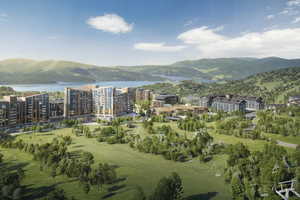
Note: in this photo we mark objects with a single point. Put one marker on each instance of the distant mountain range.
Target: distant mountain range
(274, 86)
(14, 71)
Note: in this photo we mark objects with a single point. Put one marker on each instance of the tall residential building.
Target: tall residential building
(12, 109)
(56, 108)
(77, 102)
(143, 95)
(15, 111)
(110, 102)
(103, 101)
(4, 113)
(36, 108)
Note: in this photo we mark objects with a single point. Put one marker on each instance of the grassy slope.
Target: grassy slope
(139, 168)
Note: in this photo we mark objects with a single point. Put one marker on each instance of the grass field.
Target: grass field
(135, 168)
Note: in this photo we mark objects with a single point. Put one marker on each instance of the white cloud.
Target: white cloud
(289, 11)
(270, 17)
(110, 23)
(276, 42)
(293, 3)
(3, 17)
(159, 47)
(202, 35)
(296, 20)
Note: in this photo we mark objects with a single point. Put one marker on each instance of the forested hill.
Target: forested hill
(50, 71)
(274, 86)
(14, 71)
(219, 68)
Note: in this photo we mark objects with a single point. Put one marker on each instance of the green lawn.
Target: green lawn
(288, 139)
(200, 180)
(227, 139)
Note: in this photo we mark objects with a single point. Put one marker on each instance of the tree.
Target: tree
(17, 194)
(21, 173)
(237, 188)
(168, 188)
(86, 188)
(139, 194)
(88, 158)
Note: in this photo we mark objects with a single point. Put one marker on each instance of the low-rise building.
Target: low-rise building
(228, 104)
(252, 103)
(179, 109)
(162, 99)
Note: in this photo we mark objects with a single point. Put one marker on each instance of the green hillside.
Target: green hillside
(219, 68)
(274, 86)
(51, 71)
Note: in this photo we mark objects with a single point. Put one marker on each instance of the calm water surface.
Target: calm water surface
(60, 86)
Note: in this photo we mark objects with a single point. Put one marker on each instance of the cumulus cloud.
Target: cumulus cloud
(296, 20)
(293, 3)
(276, 42)
(110, 23)
(159, 47)
(270, 17)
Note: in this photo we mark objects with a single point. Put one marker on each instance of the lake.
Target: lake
(53, 87)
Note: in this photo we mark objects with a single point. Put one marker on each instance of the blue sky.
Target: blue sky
(133, 32)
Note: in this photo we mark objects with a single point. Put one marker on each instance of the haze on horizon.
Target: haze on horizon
(137, 32)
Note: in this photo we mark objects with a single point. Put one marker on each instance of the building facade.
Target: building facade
(229, 105)
(143, 95)
(36, 108)
(252, 103)
(77, 102)
(163, 99)
(56, 108)
(111, 102)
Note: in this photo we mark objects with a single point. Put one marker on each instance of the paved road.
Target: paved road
(285, 144)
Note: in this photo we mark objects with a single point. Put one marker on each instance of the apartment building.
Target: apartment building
(56, 108)
(36, 108)
(110, 102)
(77, 102)
(3, 113)
(252, 103)
(229, 104)
(143, 95)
